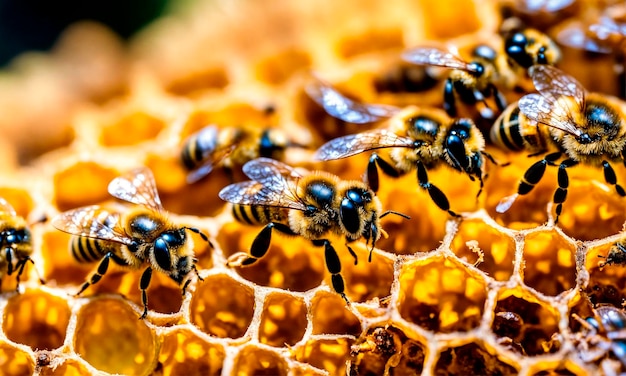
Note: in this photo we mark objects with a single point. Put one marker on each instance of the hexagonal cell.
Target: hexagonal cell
(369, 41)
(36, 319)
(385, 349)
(330, 316)
(253, 360)
(211, 77)
(490, 250)
(84, 183)
(283, 321)
(473, 359)
(15, 362)
(525, 324)
(440, 295)
(607, 282)
(222, 307)
(279, 67)
(68, 367)
(550, 263)
(306, 261)
(184, 353)
(110, 338)
(427, 226)
(131, 129)
(326, 354)
(366, 280)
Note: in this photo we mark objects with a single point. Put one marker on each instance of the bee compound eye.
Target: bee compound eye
(162, 254)
(349, 216)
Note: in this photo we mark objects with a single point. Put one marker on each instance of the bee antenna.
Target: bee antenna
(202, 235)
(396, 213)
(493, 160)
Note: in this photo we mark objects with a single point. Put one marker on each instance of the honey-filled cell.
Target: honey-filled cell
(185, 353)
(253, 360)
(37, 319)
(222, 307)
(14, 361)
(473, 359)
(331, 316)
(284, 320)
(328, 354)
(131, 129)
(111, 338)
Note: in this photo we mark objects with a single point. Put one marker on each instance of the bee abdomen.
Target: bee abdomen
(506, 131)
(252, 214)
(192, 154)
(88, 250)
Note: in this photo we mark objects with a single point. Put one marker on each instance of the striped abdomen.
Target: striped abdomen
(258, 214)
(199, 146)
(506, 131)
(87, 250)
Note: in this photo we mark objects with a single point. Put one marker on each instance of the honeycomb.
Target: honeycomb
(484, 294)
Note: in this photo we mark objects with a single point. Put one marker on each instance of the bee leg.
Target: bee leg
(449, 99)
(334, 267)
(202, 235)
(100, 272)
(534, 173)
(184, 290)
(9, 258)
(438, 197)
(561, 192)
(144, 282)
(376, 162)
(353, 254)
(20, 269)
(609, 176)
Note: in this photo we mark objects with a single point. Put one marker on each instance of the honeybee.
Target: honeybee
(16, 242)
(616, 255)
(606, 331)
(420, 138)
(585, 127)
(140, 236)
(231, 147)
(477, 80)
(312, 206)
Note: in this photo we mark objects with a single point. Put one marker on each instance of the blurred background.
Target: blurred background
(36, 24)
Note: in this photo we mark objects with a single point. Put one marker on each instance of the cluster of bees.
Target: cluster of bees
(562, 125)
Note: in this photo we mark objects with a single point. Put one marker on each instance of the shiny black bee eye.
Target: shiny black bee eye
(349, 215)
(356, 196)
(515, 47)
(162, 254)
(476, 69)
(541, 56)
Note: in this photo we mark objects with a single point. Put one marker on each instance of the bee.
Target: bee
(141, 236)
(420, 138)
(606, 331)
(16, 242)
(402, 77)
(472, 82)
(585, 127)
(230, 147)
(616, 255)
(476, 80)
(312, 206)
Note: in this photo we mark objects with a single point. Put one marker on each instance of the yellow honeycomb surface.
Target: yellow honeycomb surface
(486, 293)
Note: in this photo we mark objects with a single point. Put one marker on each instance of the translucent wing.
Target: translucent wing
(270, 172)
(255, 193)
(92, 221)
(436, 57)
(5, 207)
(206, 154)
(138, 187)
(553, 82)
(343, 108)
(353, 144)
(547, 111)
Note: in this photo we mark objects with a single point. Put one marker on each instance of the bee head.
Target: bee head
(352, 205)
(165, 245)
(455, 145)
(272, 141)
(515, 48)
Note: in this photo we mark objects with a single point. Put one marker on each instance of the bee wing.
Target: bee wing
(5, 207)
(138, 187)
(93, 222)
(255, 193)
(553, 82)
(437, 57)
(546, 111)
(343, 108)
(353, 144)
(269, 171)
